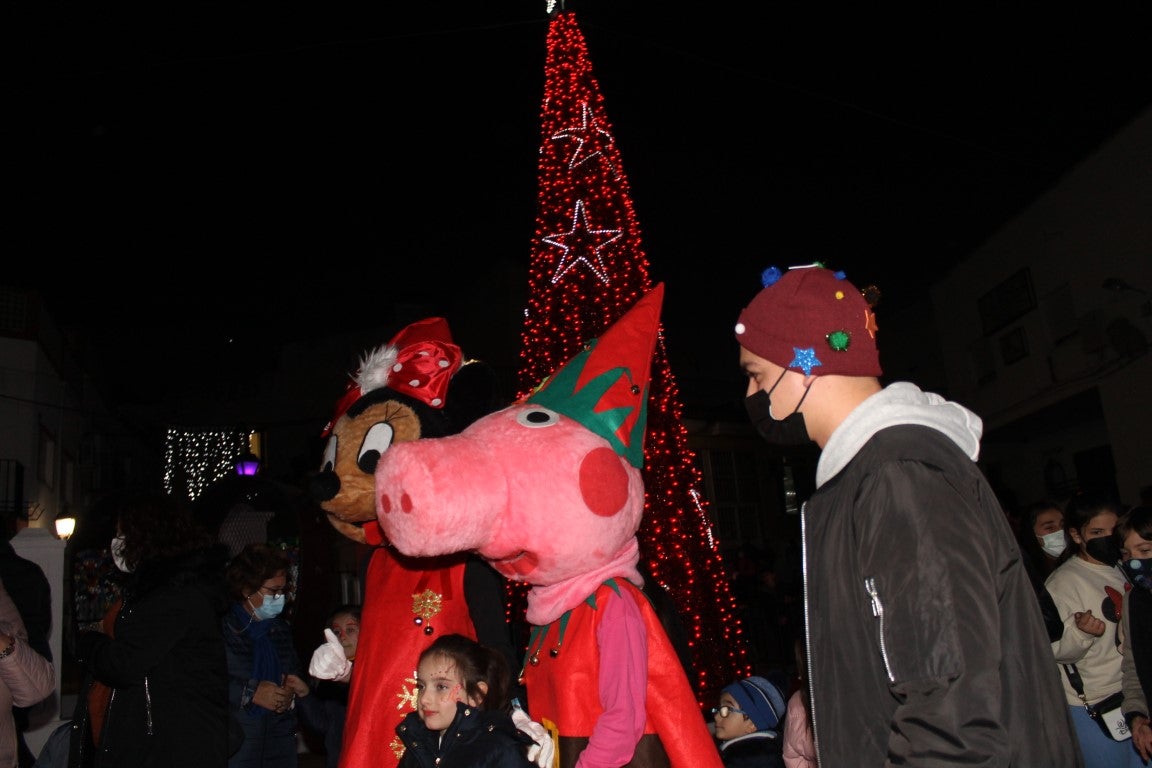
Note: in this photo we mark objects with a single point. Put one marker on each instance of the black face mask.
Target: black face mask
(790, 430)
(1104, 549)
(1139, 572)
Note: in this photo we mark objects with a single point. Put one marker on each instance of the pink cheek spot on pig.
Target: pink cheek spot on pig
(603, 482)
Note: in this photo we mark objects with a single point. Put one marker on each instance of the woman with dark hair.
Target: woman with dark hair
(265, 677)
(1087, 590)
(1042, 540)
(159, 685)
(1043, 547)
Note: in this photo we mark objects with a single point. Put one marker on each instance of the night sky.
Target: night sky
(173, 166)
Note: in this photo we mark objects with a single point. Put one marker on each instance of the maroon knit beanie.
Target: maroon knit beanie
(813, 319)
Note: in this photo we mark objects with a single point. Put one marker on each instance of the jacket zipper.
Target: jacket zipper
(878, 612)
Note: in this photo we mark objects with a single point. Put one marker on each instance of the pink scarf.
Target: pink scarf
(548, 603)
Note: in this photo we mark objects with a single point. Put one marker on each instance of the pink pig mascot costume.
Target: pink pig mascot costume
(549, 491)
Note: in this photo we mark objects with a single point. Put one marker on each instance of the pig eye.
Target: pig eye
(538, 417)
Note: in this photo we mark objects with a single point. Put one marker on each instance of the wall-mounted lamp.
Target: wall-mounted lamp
(247, 464)
(65, 526)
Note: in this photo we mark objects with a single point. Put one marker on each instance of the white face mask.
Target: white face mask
(270, 608)
(117, 554)
(1053, 543)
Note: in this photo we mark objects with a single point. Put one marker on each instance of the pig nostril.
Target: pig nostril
(406, 503)
(385, 503)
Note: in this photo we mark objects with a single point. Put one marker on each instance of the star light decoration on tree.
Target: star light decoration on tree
(587, 269)
(582, 244)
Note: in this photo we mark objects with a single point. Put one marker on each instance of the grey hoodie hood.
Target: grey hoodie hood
(898, 403)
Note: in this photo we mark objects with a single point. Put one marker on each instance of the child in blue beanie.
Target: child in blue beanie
(748, 723)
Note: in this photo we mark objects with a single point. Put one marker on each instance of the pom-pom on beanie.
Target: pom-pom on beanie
(812, 319)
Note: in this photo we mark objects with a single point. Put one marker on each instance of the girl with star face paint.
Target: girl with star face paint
(463, 710)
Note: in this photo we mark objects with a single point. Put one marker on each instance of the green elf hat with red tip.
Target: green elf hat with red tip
(605, 386)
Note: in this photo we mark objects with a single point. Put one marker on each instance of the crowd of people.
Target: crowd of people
(928, 631)
(190, 622)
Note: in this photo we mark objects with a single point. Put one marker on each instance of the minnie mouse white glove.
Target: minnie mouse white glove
(542, 751)
(329, 662)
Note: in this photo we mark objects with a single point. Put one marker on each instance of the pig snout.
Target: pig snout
(429, 503)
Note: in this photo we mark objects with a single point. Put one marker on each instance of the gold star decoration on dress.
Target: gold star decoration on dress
(582, 244)
(426, 604)
(408, 695)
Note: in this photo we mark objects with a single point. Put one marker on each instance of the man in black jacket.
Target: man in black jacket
(925, 645)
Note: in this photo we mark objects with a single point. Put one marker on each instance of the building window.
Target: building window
(1008, 301)
(1013, 346)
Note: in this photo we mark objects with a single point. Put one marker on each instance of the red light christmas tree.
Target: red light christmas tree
(587, 269)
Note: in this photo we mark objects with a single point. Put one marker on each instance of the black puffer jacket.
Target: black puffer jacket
(166, 665)
(925, 645)
(759, 749)
(477, 738)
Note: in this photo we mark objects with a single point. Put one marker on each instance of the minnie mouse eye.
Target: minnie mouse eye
(377, 440)
(328, 463)
(537, 417)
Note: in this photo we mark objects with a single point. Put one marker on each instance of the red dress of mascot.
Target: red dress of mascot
(549, 491)
(414, 387)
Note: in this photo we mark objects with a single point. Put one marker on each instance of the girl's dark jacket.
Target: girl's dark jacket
(166, 665)
(926, 646)
(477, 738)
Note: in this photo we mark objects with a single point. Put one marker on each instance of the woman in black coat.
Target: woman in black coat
(159, 678)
